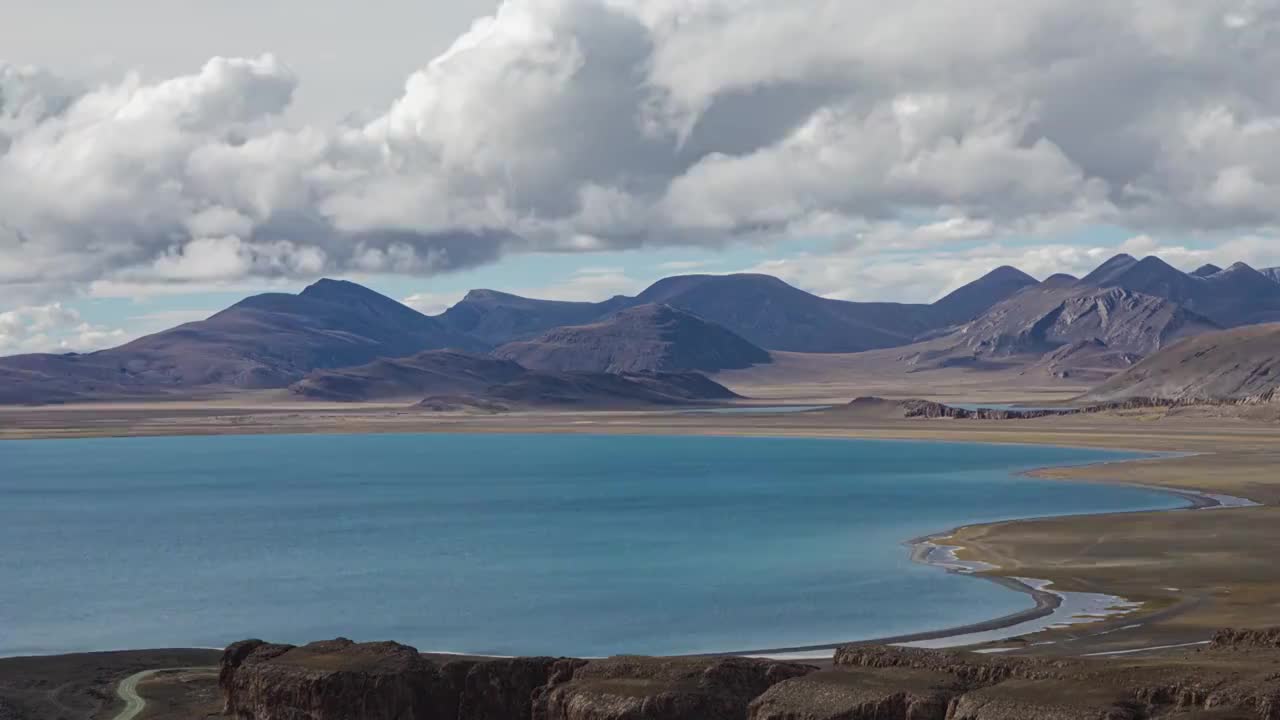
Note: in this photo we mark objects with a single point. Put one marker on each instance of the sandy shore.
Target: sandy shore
(1191, 572)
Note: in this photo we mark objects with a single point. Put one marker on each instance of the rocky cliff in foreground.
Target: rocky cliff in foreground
(1232, 678)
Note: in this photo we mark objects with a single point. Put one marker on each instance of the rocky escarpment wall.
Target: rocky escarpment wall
(930, 410)
(1231, 678)
(343, 680)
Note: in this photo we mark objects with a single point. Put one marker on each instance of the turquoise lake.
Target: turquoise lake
(504, 544)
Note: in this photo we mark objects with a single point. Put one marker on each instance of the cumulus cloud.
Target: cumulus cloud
(856, 274)
(52, 328)
(583, 125)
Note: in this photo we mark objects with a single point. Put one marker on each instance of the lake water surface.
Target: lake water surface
(504, 544)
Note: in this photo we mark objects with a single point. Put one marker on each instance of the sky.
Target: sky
(161, 159)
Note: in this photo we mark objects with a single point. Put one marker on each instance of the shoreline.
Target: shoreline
(925, 549)
(1047, 603)
(1188, 453)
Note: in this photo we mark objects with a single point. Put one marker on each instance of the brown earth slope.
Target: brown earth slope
(1242, 364)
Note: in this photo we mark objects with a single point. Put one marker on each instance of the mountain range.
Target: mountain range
(338, 340)
(265, 341)
(761, 309)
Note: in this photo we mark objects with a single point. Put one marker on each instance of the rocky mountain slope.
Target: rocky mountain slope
(1233, 677)
(264, 341)
(647, 338)
(1241, 364)
(1238, 295)
(1064, 329)
(1093, 327)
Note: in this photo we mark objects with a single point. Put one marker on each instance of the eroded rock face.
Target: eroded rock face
(1246, 639)
(857, 694)
(931, 410)
(1046, 700)
(505, 689)
(1236, 676)
(334, 679)
(343, 680)
(634, 688)
(972, 670)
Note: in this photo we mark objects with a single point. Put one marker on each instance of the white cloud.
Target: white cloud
(429, 303)
(52, 328)
(164, 319)
(589, 285)
(683, 265)
(584, 125)
(860, 274)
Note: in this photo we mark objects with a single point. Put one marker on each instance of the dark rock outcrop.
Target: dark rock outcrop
(461, 403)
(1230, 639)
(971, 670)
(634, 688)
(507, 689)
(1230, 679)
(858, 694)
(934, 410)
(334, 680)
(1047, 700)
(341, 680)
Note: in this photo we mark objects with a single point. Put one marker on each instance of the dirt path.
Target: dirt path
(127, 690)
